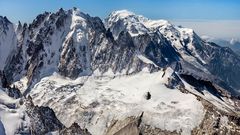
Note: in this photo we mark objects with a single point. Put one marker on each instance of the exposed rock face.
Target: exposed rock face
(2, 129)
(13, 92)
(201, 85)
(134, 126)
(3, 80)
(126, 126)
(148, 130)
(74, 129)
(223, 62)
(7, 41)
(217, 122)
(42, 119)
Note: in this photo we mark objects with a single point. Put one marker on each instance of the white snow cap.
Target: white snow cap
(122, 13)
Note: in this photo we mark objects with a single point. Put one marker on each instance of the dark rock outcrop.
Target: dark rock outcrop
(13, 92)
(217, 122)
(134, 126)
(74, 129)
(42, 119)
(3, 80)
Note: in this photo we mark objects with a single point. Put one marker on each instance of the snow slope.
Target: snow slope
(11, 115)
(101, 99)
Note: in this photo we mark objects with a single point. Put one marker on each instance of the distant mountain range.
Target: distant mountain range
(234, 44)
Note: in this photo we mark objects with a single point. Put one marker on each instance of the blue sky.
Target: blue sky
(26, 10)
(188, 10)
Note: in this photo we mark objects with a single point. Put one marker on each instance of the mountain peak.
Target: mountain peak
(124, 20)
(4, 19)
(76, 11)
(132, 17)
(122, 13)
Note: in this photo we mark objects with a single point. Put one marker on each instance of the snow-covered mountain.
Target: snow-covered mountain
(187, 46)
(126, 74)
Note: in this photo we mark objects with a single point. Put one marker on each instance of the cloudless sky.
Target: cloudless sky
(26, 10)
